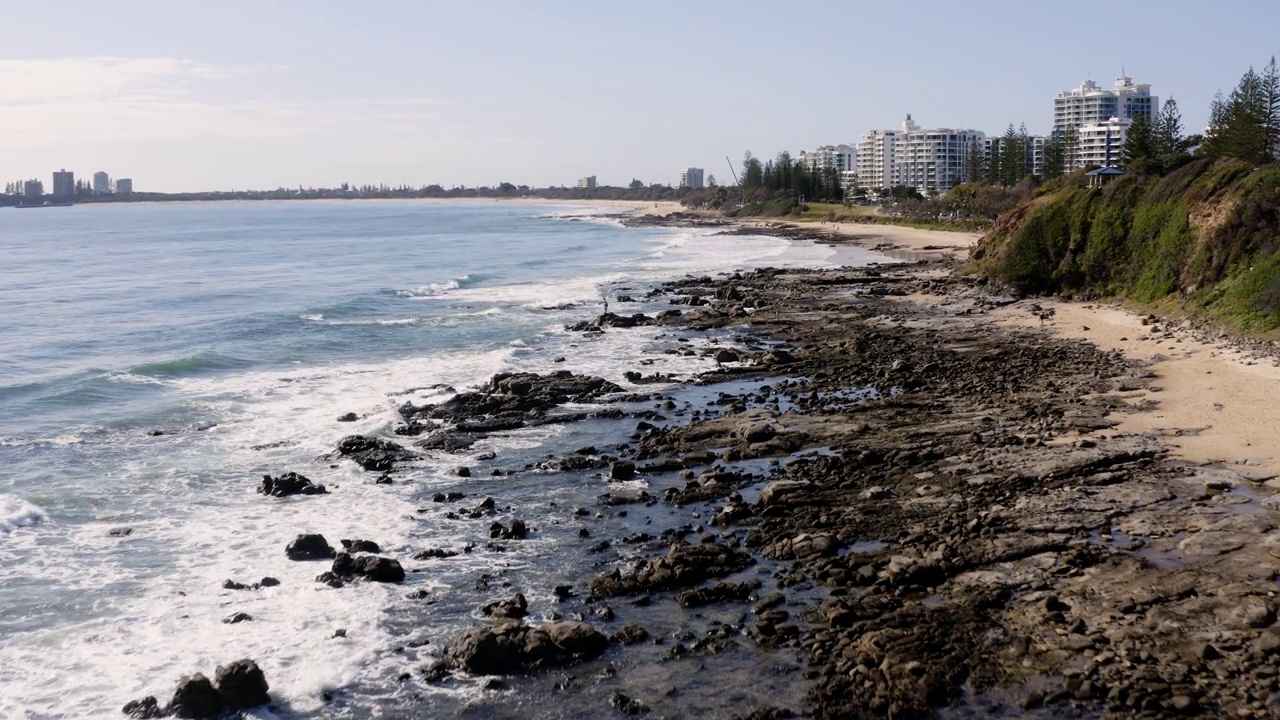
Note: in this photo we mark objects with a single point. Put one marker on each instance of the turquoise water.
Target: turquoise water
(156, 360)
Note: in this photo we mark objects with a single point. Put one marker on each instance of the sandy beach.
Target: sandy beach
(1216, 404)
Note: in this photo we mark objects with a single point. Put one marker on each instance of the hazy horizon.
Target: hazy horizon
(240, 96)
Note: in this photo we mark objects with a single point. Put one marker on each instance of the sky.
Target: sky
(184, 96)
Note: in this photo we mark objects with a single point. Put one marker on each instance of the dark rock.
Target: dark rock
(682, 566)
(627, 705)
(447, 497)
(513, 608)
(290, 483)
(268, 582)
(447, 441)
(435, 554)
(630, 635)
(462, 472)
(237, 618)
(370, 567)
(517, 530)
(145, 709)
(724, 356)
(721, 592)
(373, 453)
(309, 547)
(241, 685)
(349, 417)
(120, 532)
(509, 647)
(361, 546)
(622, 470)
(195, 698)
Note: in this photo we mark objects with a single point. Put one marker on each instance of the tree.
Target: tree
(1269, 106)
(975, 163)
(1055, 158)
(1013, 157)
(711, 181)
(1169, 145)
(1070, 148)
(635, 184)
(1239, 123)
(1139, 144)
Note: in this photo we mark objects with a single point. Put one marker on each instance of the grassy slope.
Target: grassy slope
(1206, 237)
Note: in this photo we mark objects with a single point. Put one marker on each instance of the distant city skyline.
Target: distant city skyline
(245, 95)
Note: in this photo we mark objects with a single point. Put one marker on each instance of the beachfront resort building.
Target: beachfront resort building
(873, 161)
(64, 183)
(993, 146)
(1102, 143)
(124, 186)
(691, 178)
(587, 183)
(932, 161)
(841, 158)
(101, 183)
(1094, 108)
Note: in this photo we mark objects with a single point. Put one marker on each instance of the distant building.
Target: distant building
(1091, 106)
(993, 146)
(691, 178)
(101, 183)
(32, 189)
(124, 186)
(1102, 143)
(587, 183)
(64, 183)
(873, 160)
(841, 158)
(932, 161)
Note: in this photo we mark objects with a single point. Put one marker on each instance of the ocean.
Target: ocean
(157, 360)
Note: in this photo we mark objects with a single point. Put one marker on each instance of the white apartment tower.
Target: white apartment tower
(841, 158)
(932, 161)
(1100, 112)
(691, 178)
(1102, 143)
(101, 183)
(587, 183)
(873, 161)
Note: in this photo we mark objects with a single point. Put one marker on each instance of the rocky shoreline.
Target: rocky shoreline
(900, 508)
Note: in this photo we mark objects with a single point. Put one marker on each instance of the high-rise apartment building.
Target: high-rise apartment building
(64, 183)
(873, 161)
(994, 145)
(101, 183)
(1093, 107)
(932, 160)
(124, 186)
(1102, 143)
(841, 158)
(32, 189)
(691, 178)
(587, 183)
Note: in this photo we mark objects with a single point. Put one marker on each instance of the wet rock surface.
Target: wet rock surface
(509, 647)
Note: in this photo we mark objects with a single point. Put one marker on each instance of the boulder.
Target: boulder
(758, 432)
(241, 685)
(622, 470)
(195, 698)
(348, 417)
(683, 566)
(361, 546)
(781, 492)
(369, 567)
(290, 483)
(512, 608)
(372, 453)
(510, 647)
(726, 355)
(145, 709)
(309, 547)
(517, 530)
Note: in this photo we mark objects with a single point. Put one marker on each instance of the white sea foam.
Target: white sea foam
(153, 602)
(434, 289)
(18, 513)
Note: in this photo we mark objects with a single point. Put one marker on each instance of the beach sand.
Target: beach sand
(1217, 404)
